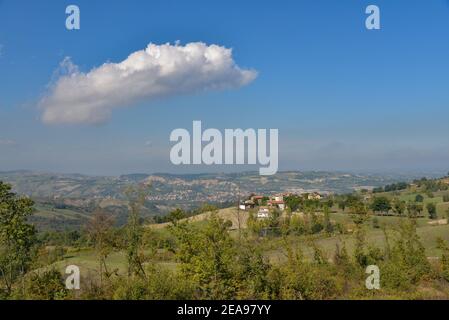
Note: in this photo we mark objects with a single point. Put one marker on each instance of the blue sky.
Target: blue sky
(342, 97)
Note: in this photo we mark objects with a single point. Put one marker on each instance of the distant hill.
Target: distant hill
(75, 196)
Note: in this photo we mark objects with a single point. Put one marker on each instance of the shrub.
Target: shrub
(161, 284)
(432, 210)
(407, 264)
(47, 286)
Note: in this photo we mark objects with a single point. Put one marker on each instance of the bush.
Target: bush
(432, 210)
(408, 263)
(47, 286)
(419, 198)
(303, 280)
(160, 285)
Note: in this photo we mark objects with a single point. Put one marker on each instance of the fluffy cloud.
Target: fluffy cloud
(158, 71)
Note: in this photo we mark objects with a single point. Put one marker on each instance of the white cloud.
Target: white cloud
(158, 71)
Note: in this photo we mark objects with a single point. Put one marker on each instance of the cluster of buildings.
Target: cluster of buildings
(266, 204)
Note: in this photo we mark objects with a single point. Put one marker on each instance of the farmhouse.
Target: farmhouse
(314, 196)
(257, 199)
(248, 204)
(277, 202)
(263, 213)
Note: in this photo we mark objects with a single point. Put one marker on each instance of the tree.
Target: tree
(353, 200)
(17, 237)
(381, 204)
(432, 210)
(408, 262)
(134, 231)
(47, 286)
(207, 257)
(100, 232)
(176, 215)
(327, 221)
(342, 204)
(443, 246)
(419, 198)
(414, 209)
(399, 206)
(293, 202)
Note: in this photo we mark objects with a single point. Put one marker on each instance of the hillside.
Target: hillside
(65, 200)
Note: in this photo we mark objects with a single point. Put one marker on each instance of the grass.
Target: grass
(274, 247)
(60, 214)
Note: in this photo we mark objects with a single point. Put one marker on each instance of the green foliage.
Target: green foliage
(161, 284)
(407, 263)
(443, 246)
(317, 226)
(358, 210)
(207, 260)
(299, 279)
(207, 257)
(17, 237)
(328, 226)
(391, 187)
(176, 215)
(432, 210)
(414, 209)
(381, 204)
(134, 231)
(419, 198)
(399, 206)
(294, 202)
(101, 235)
(46, 286)
(251, 272)
(298, 225)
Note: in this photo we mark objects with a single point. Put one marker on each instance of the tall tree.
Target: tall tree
(17, 237)
(134, 230)
(207, 256)
(100, 233)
